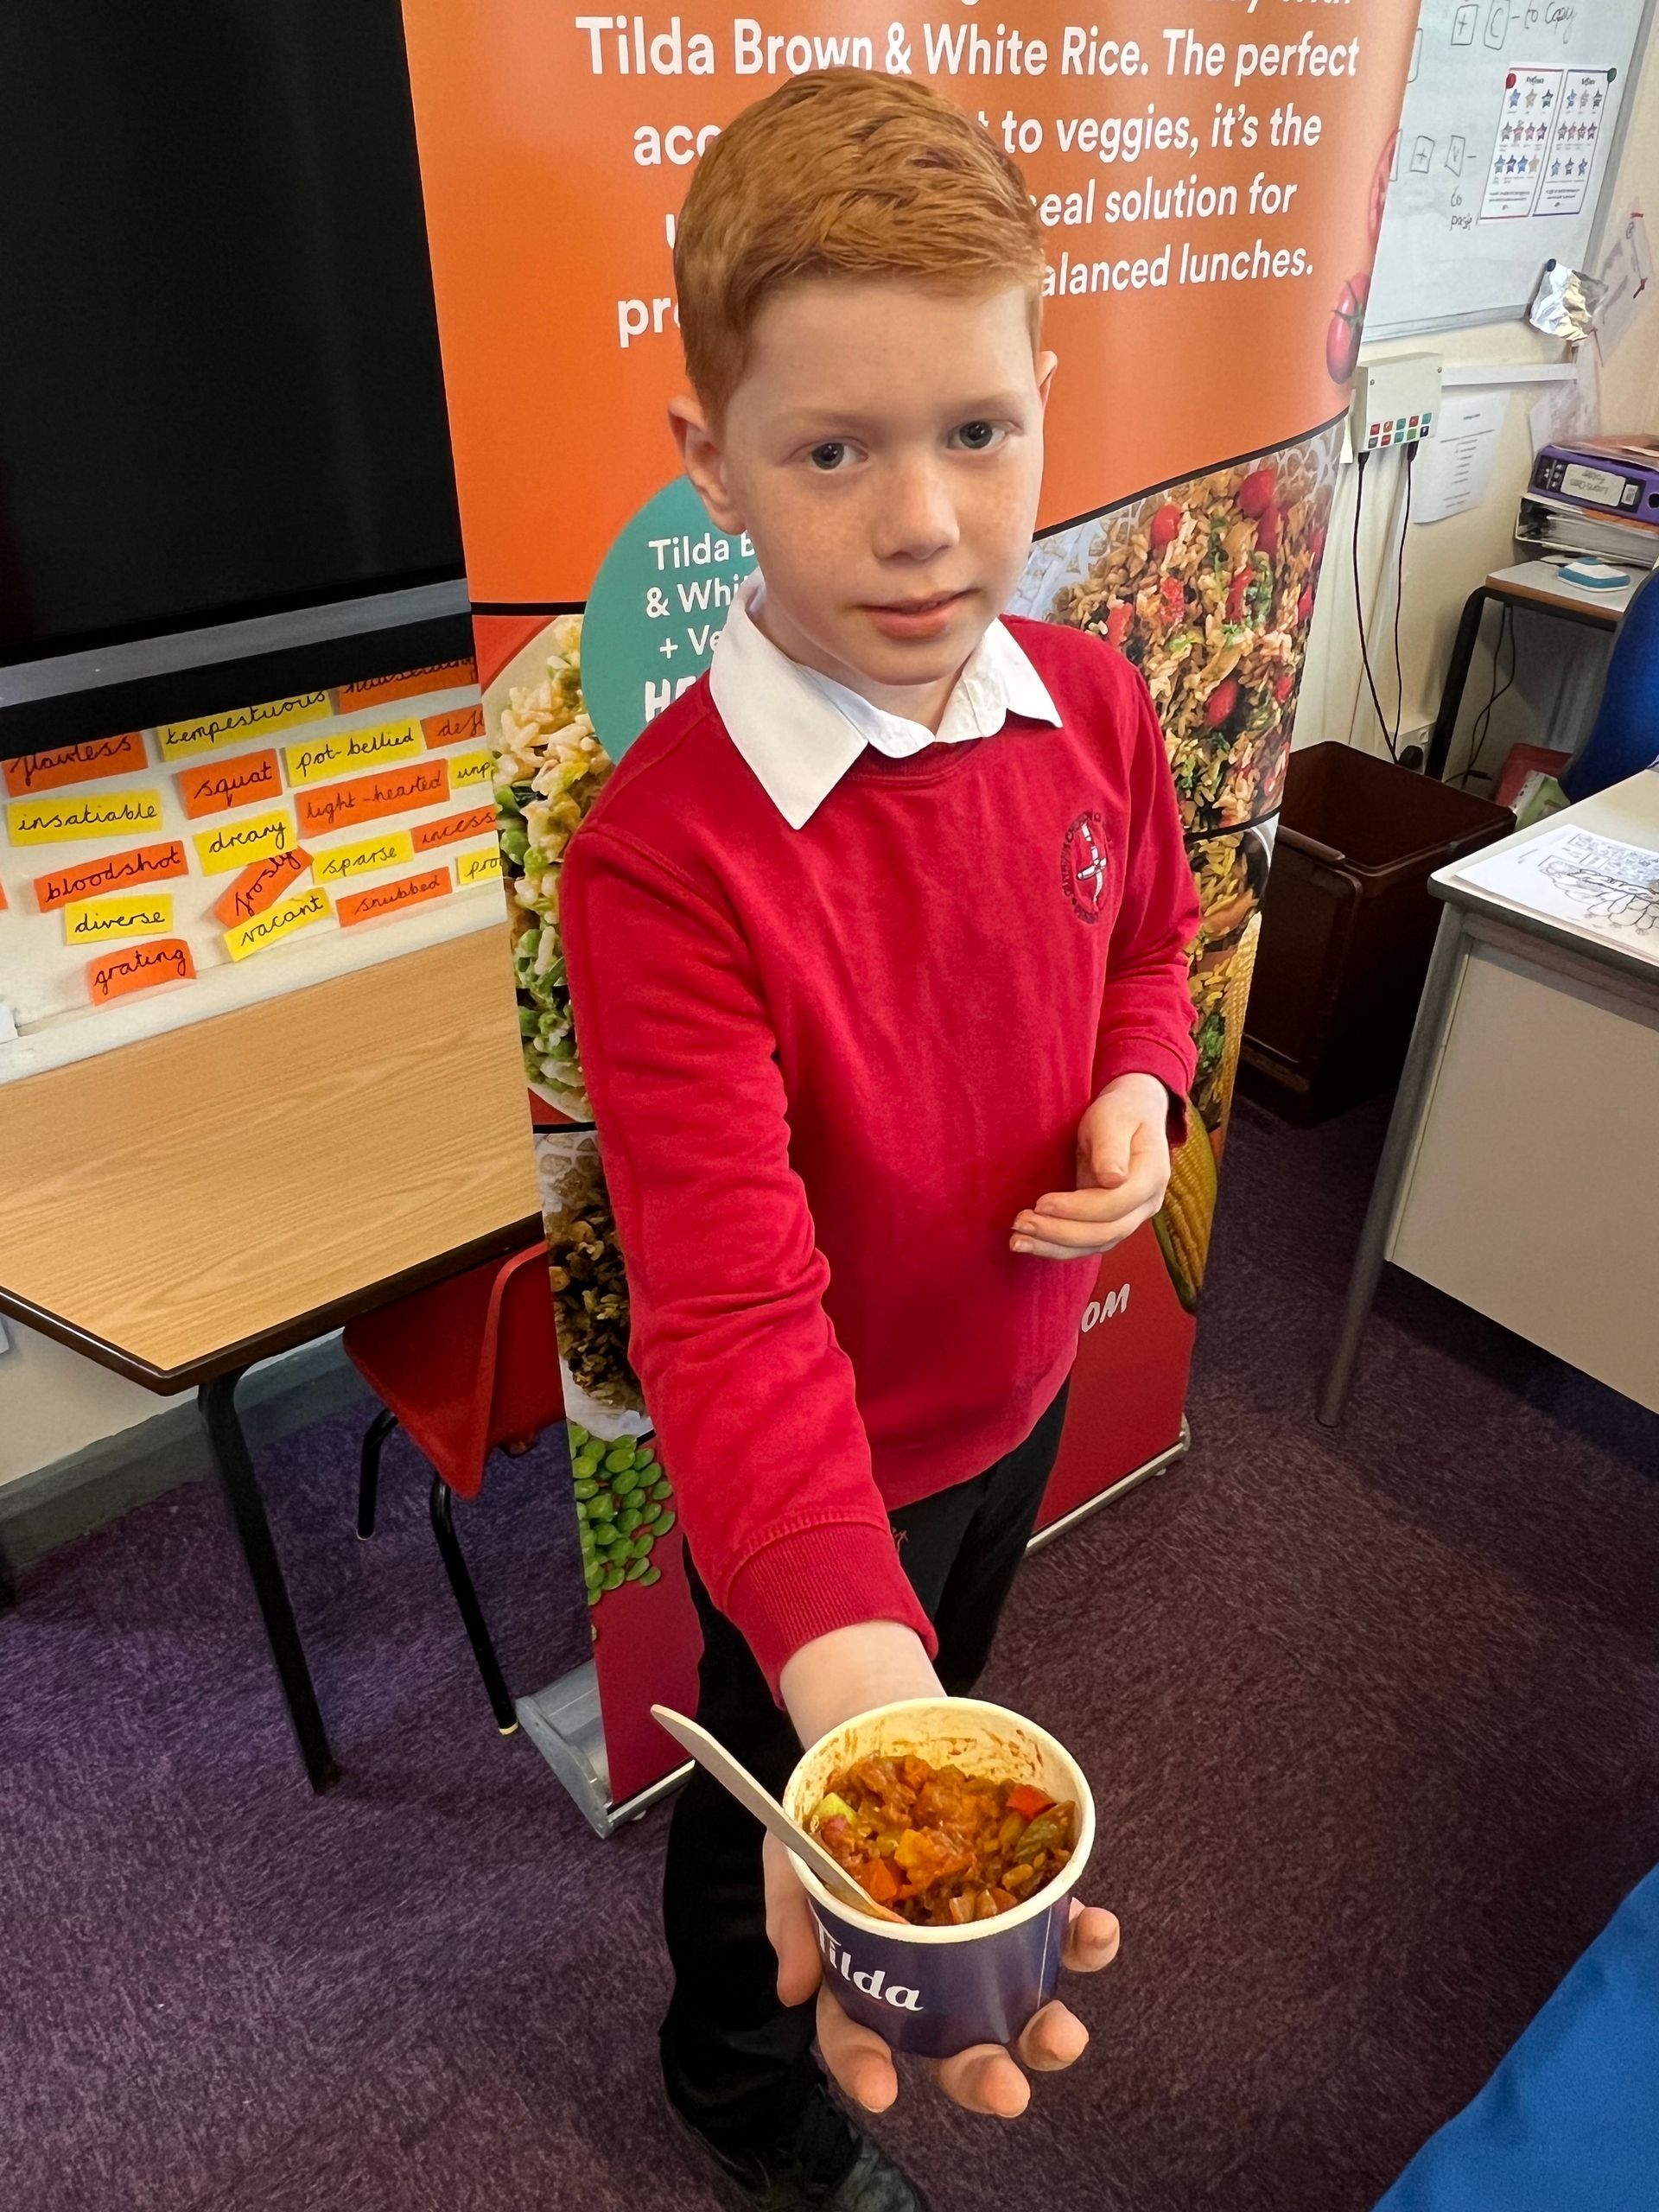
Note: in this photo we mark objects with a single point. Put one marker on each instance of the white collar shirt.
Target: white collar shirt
(801, 732)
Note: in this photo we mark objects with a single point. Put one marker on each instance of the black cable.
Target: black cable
(1399, 593)
(1360, 460)
(1482, 729)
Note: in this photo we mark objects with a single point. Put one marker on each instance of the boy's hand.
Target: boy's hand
(1122, 1173)
(986, 2078)
(827, 1682)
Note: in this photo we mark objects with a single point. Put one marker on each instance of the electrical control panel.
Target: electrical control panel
(1395, 402)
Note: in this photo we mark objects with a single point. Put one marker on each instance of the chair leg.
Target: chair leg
(477, 1634)
(368, 1486)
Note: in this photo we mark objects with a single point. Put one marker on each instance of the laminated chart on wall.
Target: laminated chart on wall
(203, 852)
(1509, 135)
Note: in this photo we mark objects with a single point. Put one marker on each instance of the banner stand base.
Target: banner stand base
(1120, 1488)
(563, 1721)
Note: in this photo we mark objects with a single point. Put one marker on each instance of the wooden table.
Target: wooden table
(1538, 586)
(1519, 1173)
(181, 1208)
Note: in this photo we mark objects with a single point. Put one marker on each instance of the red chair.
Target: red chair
(471, 1363)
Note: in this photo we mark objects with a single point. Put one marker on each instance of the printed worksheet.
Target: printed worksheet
(1592, 882)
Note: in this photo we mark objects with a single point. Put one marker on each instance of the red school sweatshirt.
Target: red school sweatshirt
(828, 1066)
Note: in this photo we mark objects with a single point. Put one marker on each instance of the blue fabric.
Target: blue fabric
(1570, 2120)
(1625, 739)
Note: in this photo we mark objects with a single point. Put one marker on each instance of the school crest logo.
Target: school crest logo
(1084, 864)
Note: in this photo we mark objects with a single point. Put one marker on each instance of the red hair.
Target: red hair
(844, 174)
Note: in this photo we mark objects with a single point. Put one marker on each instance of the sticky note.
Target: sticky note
(233, 844)
(351, 749)
(465, 768)
(392, 897)
(453, 727)
(442, 675)
(138, 968)
(261, 884)
(75, 764)
(477, 868)
(330, 807)
(96, 814)
(453, 828)
(63, 887)
(136, 913)
(217, 786)
(277, 922)
(386, 850)
(211, 733)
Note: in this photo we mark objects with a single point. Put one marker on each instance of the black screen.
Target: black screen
(219, 384)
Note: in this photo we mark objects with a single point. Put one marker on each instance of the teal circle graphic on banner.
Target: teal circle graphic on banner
(658, 602)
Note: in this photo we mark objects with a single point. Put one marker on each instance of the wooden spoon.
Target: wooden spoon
(714, 1756)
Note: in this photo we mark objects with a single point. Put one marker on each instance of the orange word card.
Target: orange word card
(261, 885)
(453, 727)
(138, 968)
(75, 764)
(392, 897)
(442, 676)
(453, 828)
(366, 798)
(216, 786)
(66, 887)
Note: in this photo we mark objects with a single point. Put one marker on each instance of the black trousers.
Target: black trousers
(736, 2061)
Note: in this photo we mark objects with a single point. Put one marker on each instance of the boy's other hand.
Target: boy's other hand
(985, 2079)
(1122, 1173)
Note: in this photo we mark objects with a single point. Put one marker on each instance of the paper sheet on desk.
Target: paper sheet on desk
(1574, 876)
(1453, 469)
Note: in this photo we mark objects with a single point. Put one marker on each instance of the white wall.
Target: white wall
(53, 1403)
(1446, 561)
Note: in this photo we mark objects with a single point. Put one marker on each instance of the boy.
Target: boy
(877, 941)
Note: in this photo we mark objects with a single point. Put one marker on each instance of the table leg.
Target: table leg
(1439, 989)
(236, 1479)
(1457, 676)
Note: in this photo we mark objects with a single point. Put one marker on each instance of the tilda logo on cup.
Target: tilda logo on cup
(870, 1979)
(936, 1990)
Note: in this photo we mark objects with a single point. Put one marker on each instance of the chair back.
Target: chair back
(1625, 738)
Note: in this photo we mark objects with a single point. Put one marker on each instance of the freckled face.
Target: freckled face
(884, 451)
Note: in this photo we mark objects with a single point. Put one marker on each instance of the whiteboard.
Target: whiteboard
(1514, 114)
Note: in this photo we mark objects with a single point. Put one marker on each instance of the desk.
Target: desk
(1519, 1173)
(181, 1207)
(1535, 584)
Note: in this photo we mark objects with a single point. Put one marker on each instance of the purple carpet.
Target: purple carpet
(1373, 1719)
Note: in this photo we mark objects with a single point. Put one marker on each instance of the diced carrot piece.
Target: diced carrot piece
(1028, 1802)
(881, 1881)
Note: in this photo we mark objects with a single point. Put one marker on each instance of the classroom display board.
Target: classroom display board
(136, 866)
(1207, 180)
(1510, 131)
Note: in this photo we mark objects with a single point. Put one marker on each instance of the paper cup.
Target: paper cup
(936, 1990)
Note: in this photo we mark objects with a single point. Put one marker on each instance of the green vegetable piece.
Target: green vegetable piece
(615, 1577)
(831, 1808)
(660, 1490)
(603, 1507)
(619, 1457)
(585, 1488)
(651, 1574)
(649, 1513)
(636, 1573)
(643, 1542)
(666, 1523)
